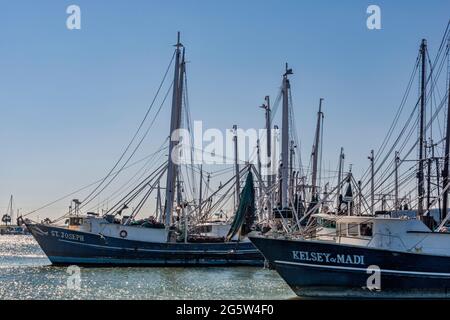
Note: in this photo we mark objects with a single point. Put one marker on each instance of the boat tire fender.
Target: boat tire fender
(123, 234)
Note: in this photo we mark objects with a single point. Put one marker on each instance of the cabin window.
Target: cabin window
(75, 221)
(325, 223)
(204, 229)
(366, 229)
(353, 229)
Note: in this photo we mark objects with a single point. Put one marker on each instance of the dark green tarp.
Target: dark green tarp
(245, 215)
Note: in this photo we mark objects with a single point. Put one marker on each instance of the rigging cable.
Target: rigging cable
(134, 137)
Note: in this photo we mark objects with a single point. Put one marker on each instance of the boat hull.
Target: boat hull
(328, 270)
(70, 247)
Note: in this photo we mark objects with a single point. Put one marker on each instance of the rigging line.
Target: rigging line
(440, 49)
(81, 189)
(150, 177)
(151, 160)
(136, 133)
(444, 39)
(139, 188)
(197, 170)
(400, 150)
(396, 118)
(395, 143)
(391, 183)
(276, 105)
(220, 203)
(232, 179)
(191, 187)
(434, 80)
(134, 151)
(119, 192)
(131, 195)
(141, 203)
(293, 126)
(404, 143)
(145, 198)
(397, 115)
(427, 127)
(415, 144)
(320, 150)
(217, 156)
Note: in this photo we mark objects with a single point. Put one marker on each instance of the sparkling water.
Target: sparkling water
(26, 273)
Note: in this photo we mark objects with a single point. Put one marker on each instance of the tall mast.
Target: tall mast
(200, 195)
(291, 172)
(236, 166)
(341, 166)
(316, 149)
(372, 182)
(276, 179)
(258, 154)
(421, 191)
(266, 107)
(285, 140)
(429, 161)
(172, 170)
(269, 140)
(446, 159)
(397, 162)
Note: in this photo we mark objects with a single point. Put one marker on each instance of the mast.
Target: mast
(397, 162)
(423, 49)
(316, 149)
(446, 160)
(258, 146)
(186, 224)
(200, 195)
(429, 161)
(372, 182)
(360, 200)
(269, 140)
(285, 140)
(258, 153)
(172, 170)
(276, 178)
(266, 107)
(341, 166)
(291, 172)
(236, 166)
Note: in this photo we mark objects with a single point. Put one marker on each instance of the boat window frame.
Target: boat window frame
(352, 226)
(361, 229)
(79, 221)
(203, 229)
(326, 223)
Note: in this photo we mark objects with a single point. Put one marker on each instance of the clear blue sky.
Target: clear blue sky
(71, 100)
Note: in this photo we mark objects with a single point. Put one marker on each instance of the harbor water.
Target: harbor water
(26, 273)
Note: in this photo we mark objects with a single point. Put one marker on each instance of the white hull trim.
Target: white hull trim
(418, 273)
(155, 250)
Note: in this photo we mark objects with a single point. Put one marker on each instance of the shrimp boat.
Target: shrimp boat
(355, 251)
(410, 260)
(176, 237)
